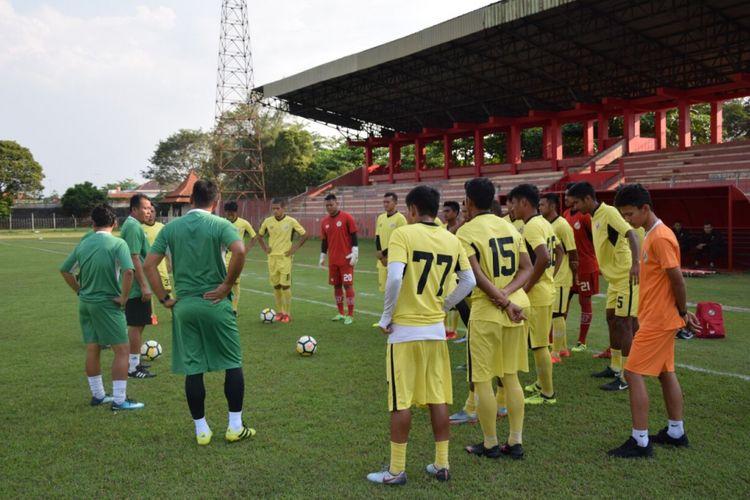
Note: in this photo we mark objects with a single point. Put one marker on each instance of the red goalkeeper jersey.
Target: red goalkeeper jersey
(337, 231)
(581, 224)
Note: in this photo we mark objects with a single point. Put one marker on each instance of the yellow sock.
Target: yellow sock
(487, 412)
(622, 372)
(514, 398)
(277, 297)
(286, 300)
(235, 296)
(454, 317)
(558, 335)
(616, 363)
(441, 455)
(471, 403)
(544, 370)
(500, 396)
(398, 458)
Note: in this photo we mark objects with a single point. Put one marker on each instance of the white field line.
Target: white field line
(34, 248)
(693, 304)
(310, 301)
(692, 368)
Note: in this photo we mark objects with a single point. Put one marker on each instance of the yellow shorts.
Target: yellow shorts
(623, 298)
(494, 350)
(560, 303)
(540, 323)
(382, 275)
(418, 373)
(280, 270)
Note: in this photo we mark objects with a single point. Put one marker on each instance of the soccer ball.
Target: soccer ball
(267, 315)
(306, 345)
(151, 349)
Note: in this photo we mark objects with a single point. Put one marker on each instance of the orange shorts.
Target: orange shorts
(652, 353)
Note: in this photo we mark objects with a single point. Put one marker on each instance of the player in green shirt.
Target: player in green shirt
(204, 328)
(101, 258)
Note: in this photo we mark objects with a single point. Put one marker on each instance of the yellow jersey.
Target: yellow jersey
(384, 226)
(280, 233)
(611, 245)
(537, 231)
(564, 234)
(431, 255)
(243, 227)
(498, 248)
(151, 233)
(517, 224)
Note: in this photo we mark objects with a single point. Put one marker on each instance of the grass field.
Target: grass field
(322, 422)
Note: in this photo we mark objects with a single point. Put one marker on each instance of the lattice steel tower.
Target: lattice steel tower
(238, 142)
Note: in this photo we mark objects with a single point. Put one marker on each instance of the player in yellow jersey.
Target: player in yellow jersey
(516, 223)
(152, 227)
(245, 230)
(616, 244)
(386, 223)
(497, 333)
(421, 256)
(280, 229)
(566, 266)
(540, 243)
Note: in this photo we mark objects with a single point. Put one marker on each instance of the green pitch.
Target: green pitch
(322, 421)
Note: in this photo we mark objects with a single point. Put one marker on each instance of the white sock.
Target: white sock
(675, 428)
(641, 437)
(118, 390)
(97, 387)
(516, 436)
(201, 426)
(235, 420)
(133, 361)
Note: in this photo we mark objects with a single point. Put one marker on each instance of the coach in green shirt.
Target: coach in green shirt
(204, 328)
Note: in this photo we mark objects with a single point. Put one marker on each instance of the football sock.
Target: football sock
(201, 426)
(286, 302)
(119, 387)
(586, 314)
(195, 393)
(616, 361)
(675, 428)
(234, 389)
(623, 360)
(277, 296)
(558, 334)
(338, 293)
(487, 412)
(235, 420)
(500, 396)
(349, 290)
(640, 436)
(97, 387)
(133, 361)
(471, 403)
(514, 402)
(544, 370)
(441, 455)
(451, 320)
(398, 458)
(235, 296)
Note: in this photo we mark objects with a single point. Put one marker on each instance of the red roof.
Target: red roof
(182, 193)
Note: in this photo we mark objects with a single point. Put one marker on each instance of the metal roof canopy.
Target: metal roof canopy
(514, 56)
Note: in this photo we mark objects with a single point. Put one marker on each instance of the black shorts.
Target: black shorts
(137, 312)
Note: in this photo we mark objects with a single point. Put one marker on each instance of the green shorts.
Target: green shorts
(102, 323)
(204, 336)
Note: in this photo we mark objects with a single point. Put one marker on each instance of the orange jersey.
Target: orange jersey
(658, 307)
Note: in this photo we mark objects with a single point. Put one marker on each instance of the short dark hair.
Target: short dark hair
(278, 201)
(103, 215)
(496, 208)
(481, 191)
(425, 198)
(453, 205)
(553, 199)
(135, 200)
(205, 192)
(330, 197)
(391, 194)
(230, 206)
(634, 195)
(582, 190)
(529, 192)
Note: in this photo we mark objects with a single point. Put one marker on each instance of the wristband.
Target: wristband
(166, 298)
(682, 313)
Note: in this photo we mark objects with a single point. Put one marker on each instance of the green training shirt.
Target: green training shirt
(132, 232)
(100, 257)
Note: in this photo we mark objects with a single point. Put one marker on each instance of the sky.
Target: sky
(92, 86)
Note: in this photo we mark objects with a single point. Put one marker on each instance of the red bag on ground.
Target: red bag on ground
(711, 320)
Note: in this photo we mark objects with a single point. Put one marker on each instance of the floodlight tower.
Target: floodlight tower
(238, 142)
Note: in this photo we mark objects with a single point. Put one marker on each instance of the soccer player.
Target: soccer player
(497, 333)
(244, 229)
(100, 257)
(385, 224)
(338, 235)
(204, 328)
(420, 258)
(566, 265)
(451, 211)
(152, 227)
(138, 308)
(586, 279)
(280, 250)
(663, 311)
(616, 246)
(540, 243)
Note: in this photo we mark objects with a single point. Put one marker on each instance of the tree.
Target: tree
(124, 185)
(737, 119)
(81, 198)
(178, 154)
(20, 174)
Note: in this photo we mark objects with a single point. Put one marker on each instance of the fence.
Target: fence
(34, 223)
